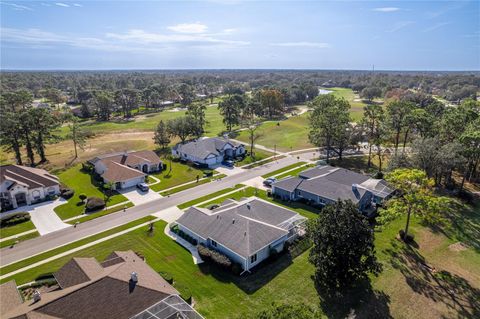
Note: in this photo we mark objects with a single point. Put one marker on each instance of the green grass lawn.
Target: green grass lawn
(10, 242)
(101, 213)
(81, 182)
(356, 111)
(283, 169)
(59, 250)
(359, 164)
(148, 122)
(402, 290)
(16, 229)
(180, 174)
(259, 155)
(206, 197)
(291, 134)
(295, 172)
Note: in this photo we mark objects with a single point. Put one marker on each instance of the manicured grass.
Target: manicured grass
(10, 242)
(206, 197)
(59, 250)
(291, 134)
(81, 182)
(101, 213)
(359, 164)
(260, 163)
(295, 172)
(356, 110)
(16, 229)
(281, 170)
(259, 155)
(180, 174)
(302, 209)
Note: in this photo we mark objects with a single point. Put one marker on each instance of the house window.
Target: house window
(51, 191)
(214, 243)
(253, 258)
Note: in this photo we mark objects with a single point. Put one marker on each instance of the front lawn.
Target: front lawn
(207, 197)
(259, 155)
(81, 182)
(12, 241)
(180, 173)
(16, 229)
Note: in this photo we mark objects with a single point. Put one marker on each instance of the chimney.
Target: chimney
(134, 277)
(36, 296)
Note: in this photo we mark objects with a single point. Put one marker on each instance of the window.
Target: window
(51, 191)
(214, 243)
(253, 258)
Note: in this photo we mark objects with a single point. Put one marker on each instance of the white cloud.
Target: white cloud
(132, 40)
(435, 26)
(188, 28)
(319, 45)
(18, 7)
(400, 25)
(61, 4)
(386, 9)
(77, 5)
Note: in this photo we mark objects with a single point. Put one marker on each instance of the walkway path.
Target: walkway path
(192, 249)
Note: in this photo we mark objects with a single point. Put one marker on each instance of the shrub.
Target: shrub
(237, 269)
(14, 219)
(185, 292)
(66, 192)
(214, 256)
(94, 203)
(167, 276)
(208, 173)
(82, 197)
(298, 246)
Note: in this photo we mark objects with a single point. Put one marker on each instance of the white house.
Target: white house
(22, 185)
(246, 231)
(208, 150)
(126, 169)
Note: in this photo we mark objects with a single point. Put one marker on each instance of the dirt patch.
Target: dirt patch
(458, 247)
(429, 241)
(170, 258)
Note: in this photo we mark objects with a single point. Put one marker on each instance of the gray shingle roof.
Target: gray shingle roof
(201, 148)
(244, 228)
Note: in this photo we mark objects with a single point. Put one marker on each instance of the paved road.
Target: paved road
(35, 246)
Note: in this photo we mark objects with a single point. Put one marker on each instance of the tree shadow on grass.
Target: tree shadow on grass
(360, 301)
(443, 287)
(249, 283)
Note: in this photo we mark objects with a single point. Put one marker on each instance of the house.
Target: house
(323, 185)
(126, 169)
(122, 286)
(22, 185)
(208, 150)
(247, 231)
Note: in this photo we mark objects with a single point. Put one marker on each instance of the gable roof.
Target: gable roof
(243, 228)
(203, 147)
(116, 172)
(100, 292)
(9, 297)
(29, 177)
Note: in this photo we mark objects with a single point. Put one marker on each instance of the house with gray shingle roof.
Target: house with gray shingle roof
(208, 150)
(324, 185)
(23, 185)
(247, 231)
(122, 286)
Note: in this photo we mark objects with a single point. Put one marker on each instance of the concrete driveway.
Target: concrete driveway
(138, 197)
(229, 171)
(256, 182)
(169, 214)
(44, 218)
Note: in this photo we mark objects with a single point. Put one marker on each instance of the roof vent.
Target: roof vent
(134, 277)
(36, 296)
(248, 206)
(233, 221)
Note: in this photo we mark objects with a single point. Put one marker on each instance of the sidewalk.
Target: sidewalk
(192, 249)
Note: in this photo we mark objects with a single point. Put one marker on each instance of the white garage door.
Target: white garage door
(133, 182)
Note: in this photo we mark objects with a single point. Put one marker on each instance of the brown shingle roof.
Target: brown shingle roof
(9, 297)
(116, 172)
(27, 176)
(109, 293)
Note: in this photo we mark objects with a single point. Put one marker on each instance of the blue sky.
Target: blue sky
(403, 35)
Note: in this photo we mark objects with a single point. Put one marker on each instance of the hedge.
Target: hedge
(167, 276)
(183, 235)
(14, 219)
(94, 203)
(66, 192)
(298, 246)
(214, 256)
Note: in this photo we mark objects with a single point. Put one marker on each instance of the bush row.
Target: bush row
(66, 192)
(182, 234)
(208, 254)
(14, 219)
(298, 246)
